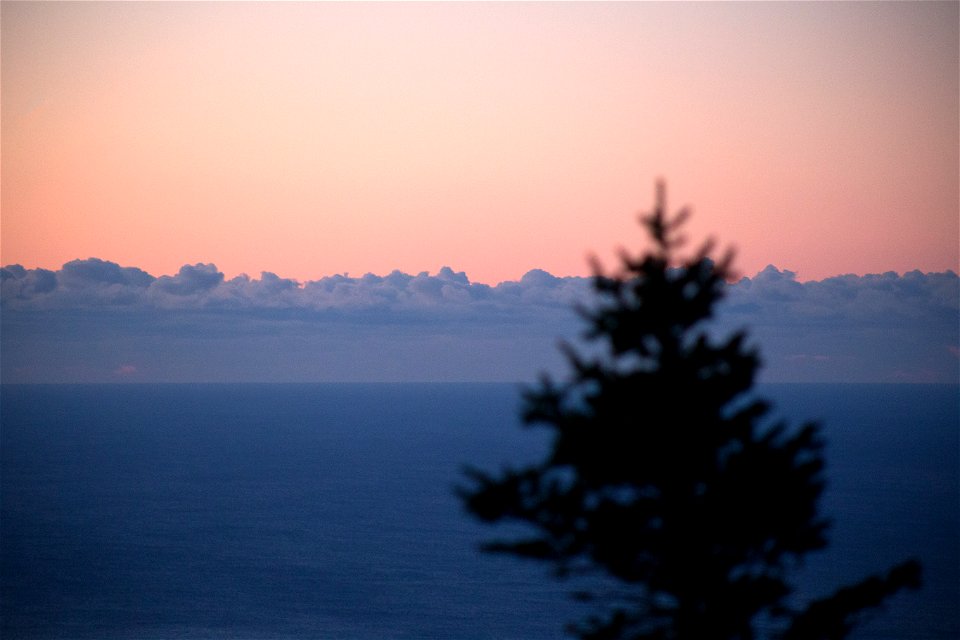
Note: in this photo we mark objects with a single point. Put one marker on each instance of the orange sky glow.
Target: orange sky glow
(316, 138)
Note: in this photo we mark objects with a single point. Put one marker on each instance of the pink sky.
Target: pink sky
(313, 138)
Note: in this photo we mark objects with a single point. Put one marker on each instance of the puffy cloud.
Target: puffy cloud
(78, 284)
(191, 279)
(83, 283)
(775, 297)
(541, 288)
(878, 327)
(19, 284)
(91, 314)
(96, 272)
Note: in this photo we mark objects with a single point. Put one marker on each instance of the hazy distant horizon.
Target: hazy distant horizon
(608, 265)
(95, 321)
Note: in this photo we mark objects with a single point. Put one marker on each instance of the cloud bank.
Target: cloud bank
(95, 321)
(98, 284)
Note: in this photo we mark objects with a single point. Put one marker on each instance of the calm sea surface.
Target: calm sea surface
(327, 511)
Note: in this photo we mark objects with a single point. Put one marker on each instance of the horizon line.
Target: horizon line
(445, 270)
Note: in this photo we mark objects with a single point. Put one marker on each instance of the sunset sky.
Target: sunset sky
(309, 139)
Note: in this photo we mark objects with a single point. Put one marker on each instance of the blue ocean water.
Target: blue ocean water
(328, 512)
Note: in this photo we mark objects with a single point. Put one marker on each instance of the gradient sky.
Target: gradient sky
(309, 139)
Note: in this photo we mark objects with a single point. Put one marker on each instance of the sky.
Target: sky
(305, 192)
(313, 139)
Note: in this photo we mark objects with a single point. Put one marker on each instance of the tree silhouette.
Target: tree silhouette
(662, 474)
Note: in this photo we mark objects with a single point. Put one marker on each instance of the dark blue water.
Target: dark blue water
(327, 511)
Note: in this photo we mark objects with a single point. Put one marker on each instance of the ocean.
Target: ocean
(328, 511)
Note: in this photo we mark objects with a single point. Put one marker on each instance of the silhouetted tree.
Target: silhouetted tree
(662, 475)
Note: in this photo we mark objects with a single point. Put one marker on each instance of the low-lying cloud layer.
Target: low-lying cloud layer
(94, 320)
(94, 283)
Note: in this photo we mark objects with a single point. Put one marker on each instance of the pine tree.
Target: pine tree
(663, 473)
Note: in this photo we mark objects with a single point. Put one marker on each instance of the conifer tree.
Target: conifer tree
(664, 473)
